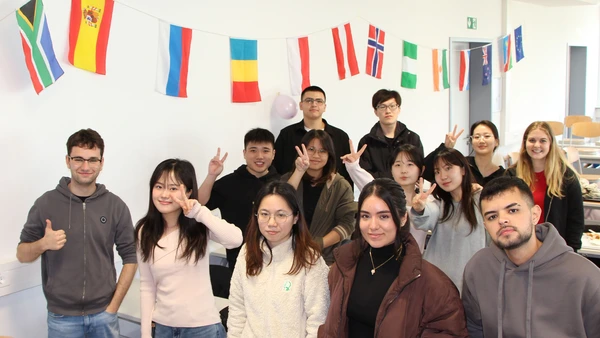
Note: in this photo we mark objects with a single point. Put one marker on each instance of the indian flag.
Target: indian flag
(409, 66)
(440, 69)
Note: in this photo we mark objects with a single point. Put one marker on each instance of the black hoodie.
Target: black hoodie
(234, 195)
(376, 157)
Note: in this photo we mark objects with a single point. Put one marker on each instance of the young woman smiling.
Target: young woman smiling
(554, 183)
(325, 196)
(406, 165)
(453, 217)
(380, 285)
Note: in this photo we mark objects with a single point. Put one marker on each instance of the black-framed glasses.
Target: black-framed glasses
(92, 161)
(318, 102)
(279, 217)
(383, 107)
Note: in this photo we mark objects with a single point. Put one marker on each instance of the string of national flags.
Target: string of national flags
(89, 30)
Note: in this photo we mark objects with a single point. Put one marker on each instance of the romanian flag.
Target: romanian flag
(88, 34)
(244, 70)
(173, 59)
(40, 59)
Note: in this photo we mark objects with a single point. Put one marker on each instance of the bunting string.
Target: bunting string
(124, 4)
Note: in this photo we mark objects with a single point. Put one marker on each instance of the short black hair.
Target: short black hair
(259, 135)
(383, 95)
(313, 89)
(501, 184)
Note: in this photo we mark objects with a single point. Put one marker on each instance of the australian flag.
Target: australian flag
(487, 64)
(375, 51)
(519, 44)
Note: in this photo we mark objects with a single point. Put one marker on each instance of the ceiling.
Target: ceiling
(560, 3)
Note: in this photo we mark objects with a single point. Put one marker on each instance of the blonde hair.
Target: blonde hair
(555, 166)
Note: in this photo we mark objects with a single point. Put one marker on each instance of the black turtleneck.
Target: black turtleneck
(368, 290)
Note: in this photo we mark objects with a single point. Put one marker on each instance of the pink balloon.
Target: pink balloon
(284, 106)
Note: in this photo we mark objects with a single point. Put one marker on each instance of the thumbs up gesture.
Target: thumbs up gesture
(54, 240)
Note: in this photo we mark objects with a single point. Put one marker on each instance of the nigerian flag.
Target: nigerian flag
(409, 65)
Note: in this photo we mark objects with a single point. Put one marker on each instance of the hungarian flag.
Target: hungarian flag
(487, 64)
(345, 56)
(375, 51)
(409, 65)
(440, 69)
(299, 64)
(40, 59)
(173, 59)
(463, 80)
(244, 70)
(88, 34)
(507, 53)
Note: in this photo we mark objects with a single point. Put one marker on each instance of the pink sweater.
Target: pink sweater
(177, 293)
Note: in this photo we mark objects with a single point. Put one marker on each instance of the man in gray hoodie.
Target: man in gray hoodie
(530, 283)
(74, 228)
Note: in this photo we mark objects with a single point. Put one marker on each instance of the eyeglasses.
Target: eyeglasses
(478, 137)
(279, 217)
(318, 102)
(383, 107)
(312, 150)
(92, 161)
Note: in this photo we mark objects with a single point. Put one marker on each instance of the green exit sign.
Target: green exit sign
(471, 23)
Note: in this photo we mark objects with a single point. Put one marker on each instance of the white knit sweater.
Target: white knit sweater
(274, 303)
(178, 293)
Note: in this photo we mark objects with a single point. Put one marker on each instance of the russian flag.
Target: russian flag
(173, 59)
(463, 81)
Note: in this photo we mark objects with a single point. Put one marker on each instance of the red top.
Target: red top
(539, 192)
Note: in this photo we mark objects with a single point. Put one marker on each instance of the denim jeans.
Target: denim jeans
(208, 331)
(98, 325)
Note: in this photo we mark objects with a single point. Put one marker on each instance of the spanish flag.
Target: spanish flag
(88, 34)
(244, 70)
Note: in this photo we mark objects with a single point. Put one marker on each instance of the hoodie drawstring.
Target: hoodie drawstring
(70, 199)
(500, 296)
(529, 296)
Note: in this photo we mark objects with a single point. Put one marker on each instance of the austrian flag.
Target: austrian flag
(345, 55)
(375, 51)
(299, 64)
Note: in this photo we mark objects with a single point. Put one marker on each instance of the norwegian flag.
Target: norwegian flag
(375, 51)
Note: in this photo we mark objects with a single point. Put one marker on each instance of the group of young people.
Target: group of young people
(309, 261)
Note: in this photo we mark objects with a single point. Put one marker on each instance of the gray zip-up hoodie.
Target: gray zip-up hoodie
(554, 294)
(80, 278)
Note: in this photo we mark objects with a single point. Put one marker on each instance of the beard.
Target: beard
(522, 238)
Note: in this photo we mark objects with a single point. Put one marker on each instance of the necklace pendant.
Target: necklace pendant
(372, 271)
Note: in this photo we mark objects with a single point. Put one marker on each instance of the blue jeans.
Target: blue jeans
(208, 331)
(98, 325)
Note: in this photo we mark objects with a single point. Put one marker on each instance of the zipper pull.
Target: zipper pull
(83, 206)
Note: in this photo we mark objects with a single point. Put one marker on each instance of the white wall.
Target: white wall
(141, 127)
(537, 86)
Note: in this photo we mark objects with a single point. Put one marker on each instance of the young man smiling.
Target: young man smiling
(74, 228)
(234, 194)
(530, 283)
(386, 135)
(313, 104)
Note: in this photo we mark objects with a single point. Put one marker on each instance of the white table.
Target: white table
(588, 249)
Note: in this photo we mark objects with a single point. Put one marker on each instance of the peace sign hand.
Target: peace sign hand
(186, 204)
(354, 155)
(452, 137)
(420, 200)
(215, 166)
(302, 161)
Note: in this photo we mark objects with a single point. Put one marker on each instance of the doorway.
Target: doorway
(475, 104)
(576, 84)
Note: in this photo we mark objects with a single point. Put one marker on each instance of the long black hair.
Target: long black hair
(150, 229)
